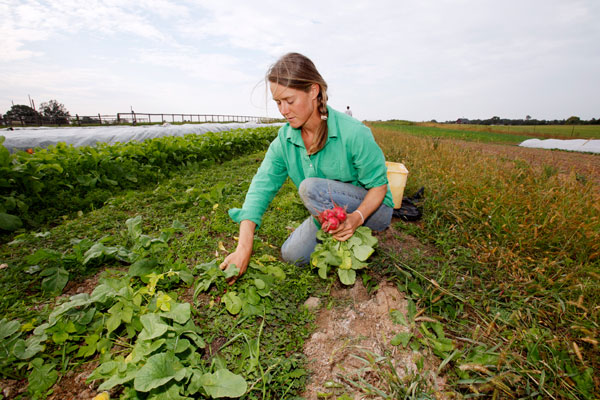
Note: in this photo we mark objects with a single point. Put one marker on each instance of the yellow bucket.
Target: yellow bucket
(396, 174)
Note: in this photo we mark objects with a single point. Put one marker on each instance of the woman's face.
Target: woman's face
(295, 105)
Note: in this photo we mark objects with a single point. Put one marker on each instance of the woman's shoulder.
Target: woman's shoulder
(347, 125)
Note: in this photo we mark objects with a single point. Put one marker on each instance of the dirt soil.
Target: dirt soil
(348, 336)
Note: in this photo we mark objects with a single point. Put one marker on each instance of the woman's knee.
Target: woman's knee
(308, 187)
(291, 255)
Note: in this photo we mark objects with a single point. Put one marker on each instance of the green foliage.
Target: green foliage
(54, 112)
(63, 179)
(19, 112)
(148, 342)
(253, 294)
(164, 340)
(41, 378)
(348, 256)
(452, 132)
(223, 384)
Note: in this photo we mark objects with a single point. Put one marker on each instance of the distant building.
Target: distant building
(462, 121)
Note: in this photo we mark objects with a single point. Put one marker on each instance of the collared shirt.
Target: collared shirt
(350, 155)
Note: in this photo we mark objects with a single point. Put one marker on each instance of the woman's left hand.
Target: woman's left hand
(347, 228)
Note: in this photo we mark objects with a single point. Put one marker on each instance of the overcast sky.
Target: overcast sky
(415, 60)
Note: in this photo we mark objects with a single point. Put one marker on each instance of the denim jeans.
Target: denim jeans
(319, 194)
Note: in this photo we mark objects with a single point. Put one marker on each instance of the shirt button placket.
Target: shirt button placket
(311, 169)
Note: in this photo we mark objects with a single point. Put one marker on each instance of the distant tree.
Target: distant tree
(528, 117)
(573, 120)
(55, 112)
(22, 113)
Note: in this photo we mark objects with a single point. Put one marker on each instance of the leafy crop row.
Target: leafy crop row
(146, 341)
(47, 183)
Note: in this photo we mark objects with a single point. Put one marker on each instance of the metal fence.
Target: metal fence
(132, 118)
(150, 118)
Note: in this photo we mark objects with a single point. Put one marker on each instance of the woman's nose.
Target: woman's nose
(283, 108)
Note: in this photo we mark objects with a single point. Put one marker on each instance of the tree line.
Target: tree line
(573, 120)
(50, 112)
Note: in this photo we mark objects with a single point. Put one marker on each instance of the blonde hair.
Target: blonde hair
(297, 71)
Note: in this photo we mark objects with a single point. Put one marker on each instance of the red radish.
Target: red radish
(331, 219)
(325, 215)
(322, 217)
(339, 213)
(332, 224)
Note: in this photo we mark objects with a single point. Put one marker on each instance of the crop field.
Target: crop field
(494, 133)
(542, 131)
(110, 284)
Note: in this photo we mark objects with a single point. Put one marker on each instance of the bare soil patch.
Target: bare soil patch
(73, 384)
(358, 330)
(402, 244)
(11, 388)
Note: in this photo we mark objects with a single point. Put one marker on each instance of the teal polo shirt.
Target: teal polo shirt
(350, 155)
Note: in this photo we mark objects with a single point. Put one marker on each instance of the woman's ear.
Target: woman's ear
(314, 91)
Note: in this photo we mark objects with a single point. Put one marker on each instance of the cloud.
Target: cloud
(427, 59)
(29, 21)
(206, 66)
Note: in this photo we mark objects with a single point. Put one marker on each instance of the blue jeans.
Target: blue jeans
(319, 194)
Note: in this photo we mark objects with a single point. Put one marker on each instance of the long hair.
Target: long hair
(297, 71)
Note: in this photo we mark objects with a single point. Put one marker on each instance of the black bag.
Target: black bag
(410, 210)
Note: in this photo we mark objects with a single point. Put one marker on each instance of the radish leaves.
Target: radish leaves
(348, 256)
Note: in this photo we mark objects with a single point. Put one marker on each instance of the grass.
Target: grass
(518, 265)
(507, 134)
(544, 131)
(450, 132)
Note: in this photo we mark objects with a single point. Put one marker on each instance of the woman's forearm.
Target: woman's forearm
(372, 201)
(246, 238)
(369, 205)
(241, 256)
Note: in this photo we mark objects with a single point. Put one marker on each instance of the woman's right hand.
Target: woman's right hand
(240, 258)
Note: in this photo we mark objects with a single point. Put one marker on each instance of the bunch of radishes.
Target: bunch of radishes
(331, 219)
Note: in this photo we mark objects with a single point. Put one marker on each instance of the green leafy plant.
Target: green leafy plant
(348, 256)
(148, 270)
(62, 179)
(251, 294)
